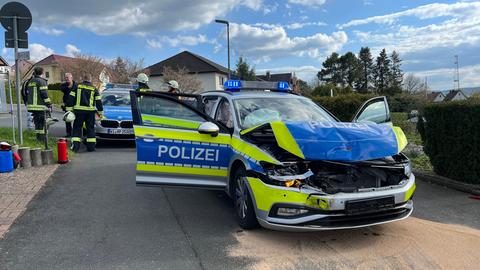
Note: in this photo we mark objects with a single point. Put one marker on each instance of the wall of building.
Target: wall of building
(209, 81)
(458, 96)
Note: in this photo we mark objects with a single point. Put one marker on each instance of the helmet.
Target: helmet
(173, 84)
(69, 117)
(142, 78)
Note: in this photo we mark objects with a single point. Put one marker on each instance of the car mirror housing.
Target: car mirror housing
(209, 128)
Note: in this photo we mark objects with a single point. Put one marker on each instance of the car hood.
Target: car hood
(117, 113)
(334, 141)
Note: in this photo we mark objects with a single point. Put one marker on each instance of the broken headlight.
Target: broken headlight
(289, 175)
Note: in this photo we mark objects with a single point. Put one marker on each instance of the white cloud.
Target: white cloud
(308, 3)
(253, 41)
(180, 40)
(440, 78)
(48, 30)
(71, 50)
(298, 25)
(134, 16)
(38, 51)
(460, 9)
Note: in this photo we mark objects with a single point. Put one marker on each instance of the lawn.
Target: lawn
(29, 140)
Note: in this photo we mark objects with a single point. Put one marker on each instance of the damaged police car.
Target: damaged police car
(286, 162)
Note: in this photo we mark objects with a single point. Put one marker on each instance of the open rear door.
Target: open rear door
(374, 110)
(177, 144)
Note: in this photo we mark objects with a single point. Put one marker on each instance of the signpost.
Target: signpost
(16, 18)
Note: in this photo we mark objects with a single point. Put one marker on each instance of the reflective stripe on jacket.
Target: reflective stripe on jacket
(37, 94)
(85, 98)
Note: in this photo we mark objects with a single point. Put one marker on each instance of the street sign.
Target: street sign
(11, 9)
(22, 40)
(23, 55)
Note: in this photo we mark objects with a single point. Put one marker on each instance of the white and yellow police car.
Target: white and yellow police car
(286, 162)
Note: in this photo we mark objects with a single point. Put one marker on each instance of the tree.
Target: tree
(395, 74)
(243, 71)
(413, 84)
(382, 72)
(365, 69)
(349, 69)
(331, 72)
(86, 64)
(124, 69)
(304, 88)
(189, 83)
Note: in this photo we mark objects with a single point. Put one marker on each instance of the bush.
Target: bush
(452, 139)
(406, 102)
(345, 106)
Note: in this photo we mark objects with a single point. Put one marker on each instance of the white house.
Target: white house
(454, 95)
(435, 96)
(210, 74)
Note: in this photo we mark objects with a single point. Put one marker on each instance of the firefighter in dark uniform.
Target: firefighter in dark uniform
(66, 87)
(35, 94)
(142, 80)
(84, 102)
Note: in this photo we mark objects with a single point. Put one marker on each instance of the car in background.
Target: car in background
(116, 123)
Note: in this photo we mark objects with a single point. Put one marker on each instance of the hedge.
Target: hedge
(344, 106)
(452, 139)
(55, 96)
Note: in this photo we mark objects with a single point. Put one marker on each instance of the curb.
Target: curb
(447, 182)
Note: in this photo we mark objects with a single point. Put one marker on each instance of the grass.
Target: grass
(30, 140)
(420, 161)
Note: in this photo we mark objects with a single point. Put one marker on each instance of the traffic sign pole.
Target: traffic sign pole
(17, 82)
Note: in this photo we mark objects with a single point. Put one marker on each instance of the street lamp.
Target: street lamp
(228, 42)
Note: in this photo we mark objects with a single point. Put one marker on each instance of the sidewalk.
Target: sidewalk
(16, 191)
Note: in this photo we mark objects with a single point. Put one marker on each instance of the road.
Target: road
(91, 215)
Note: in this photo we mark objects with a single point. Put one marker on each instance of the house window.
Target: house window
(47, 74)
(222, 80)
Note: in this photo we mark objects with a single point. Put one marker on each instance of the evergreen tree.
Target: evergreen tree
(365, 69)
(243, 71)
(119, 67)
(331, 71)
(382, 72)
(348, 67)
(395, 75)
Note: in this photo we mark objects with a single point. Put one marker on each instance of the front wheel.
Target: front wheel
(246, 217)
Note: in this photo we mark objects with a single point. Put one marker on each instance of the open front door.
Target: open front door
(374, 110)
(177, 144)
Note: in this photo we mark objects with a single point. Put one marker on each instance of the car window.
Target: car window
(209, 103)
(116, 99)
(224, 113)
(167, 113)
(374, 112)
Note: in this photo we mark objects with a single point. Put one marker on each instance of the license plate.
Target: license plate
(369, 205)
(120, 131)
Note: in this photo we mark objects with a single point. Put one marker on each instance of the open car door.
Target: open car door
(177, 144)
(374, 110)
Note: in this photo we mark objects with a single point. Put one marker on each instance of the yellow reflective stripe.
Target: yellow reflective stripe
(76, 139)
(285, 139)
(47, 100)
(181, 170)
(39, 131)
(154, 119)
(32, 84)
(92, 96)
(409, 193)
(252, 151)
(43, 88)
(91, 140)
(144, 89)
(73, 93)
(69, 109)
(36, 107)
(178, 134)
(267, 195)
(35, 101)
(83, 86)
(401, 138)
(245, 131)
(98, 98)
(83, 108)
(77, 103)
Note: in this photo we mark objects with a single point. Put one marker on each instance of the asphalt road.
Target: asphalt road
(91, 215)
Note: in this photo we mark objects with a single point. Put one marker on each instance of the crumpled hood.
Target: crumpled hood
(117, 113)
(338, 141)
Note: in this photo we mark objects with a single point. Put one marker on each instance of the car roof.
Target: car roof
(253, 94)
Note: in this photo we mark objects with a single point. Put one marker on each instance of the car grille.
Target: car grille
(126, 124)
(109, 123)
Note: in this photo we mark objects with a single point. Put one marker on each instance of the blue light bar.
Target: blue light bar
(283, 86)
(232, 85)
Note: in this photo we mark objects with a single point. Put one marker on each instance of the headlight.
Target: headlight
(408, 169)
(287, 176)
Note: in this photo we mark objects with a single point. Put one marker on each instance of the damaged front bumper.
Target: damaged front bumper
(307, 209)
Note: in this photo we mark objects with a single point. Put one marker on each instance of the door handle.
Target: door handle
(148, 137)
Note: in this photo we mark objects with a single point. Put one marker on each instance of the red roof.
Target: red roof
(54, 59)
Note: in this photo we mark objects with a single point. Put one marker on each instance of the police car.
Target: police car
(117, 122)
(287, 163)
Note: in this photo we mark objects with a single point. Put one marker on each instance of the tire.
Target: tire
(242, 201)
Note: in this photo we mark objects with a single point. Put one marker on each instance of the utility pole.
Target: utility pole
(456, 80)
(228, 42)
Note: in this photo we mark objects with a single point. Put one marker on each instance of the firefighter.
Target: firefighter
(84, 101)
(142, 80)
(66, 87)
(173, 87)
(35, 94)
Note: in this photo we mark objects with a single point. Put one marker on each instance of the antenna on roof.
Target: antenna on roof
(456, 75)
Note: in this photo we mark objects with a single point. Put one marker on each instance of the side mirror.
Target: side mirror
(209, 128)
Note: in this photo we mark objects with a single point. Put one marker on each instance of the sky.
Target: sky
(277, 36)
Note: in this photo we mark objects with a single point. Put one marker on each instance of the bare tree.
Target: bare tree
(189, 83)
(124, 69)
(413, 84)
(83, 63)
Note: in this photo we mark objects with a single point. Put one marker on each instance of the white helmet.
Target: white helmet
(173, 84)
(69, 117)
(142, 78)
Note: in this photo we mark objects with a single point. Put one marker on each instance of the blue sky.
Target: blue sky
(280, 36)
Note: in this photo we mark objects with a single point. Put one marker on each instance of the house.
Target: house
(454, 95)
(24, 66)
(4, 67)
(281, 77)
(435, 96)
(211, 75)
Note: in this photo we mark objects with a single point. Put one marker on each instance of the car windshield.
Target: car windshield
(116, 99)
(254, 111)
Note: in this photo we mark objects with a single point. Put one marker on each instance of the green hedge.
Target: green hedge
(452, 139)
(344, 106)
(55, 95)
